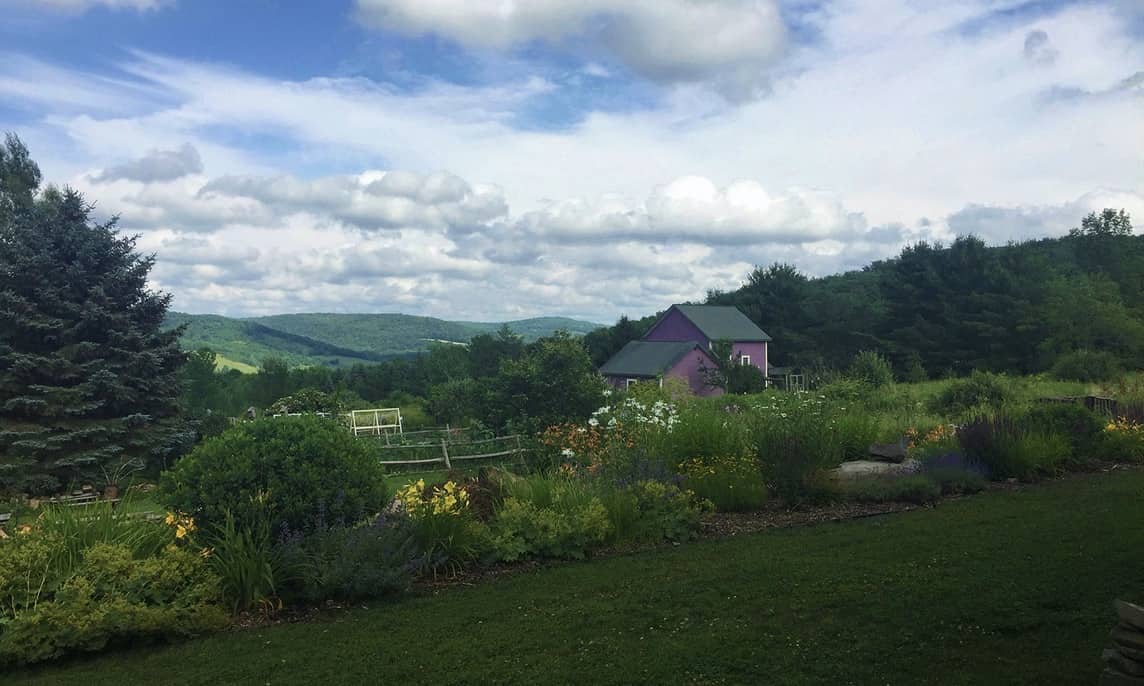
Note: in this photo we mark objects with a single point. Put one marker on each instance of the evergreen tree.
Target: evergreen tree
(88, 380)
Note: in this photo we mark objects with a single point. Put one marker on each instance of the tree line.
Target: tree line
(945, 310)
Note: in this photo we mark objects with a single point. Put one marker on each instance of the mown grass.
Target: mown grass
(1001, 588)
(223, 364)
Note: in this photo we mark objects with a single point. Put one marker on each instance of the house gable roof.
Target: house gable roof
(642, 359)
(718, 322)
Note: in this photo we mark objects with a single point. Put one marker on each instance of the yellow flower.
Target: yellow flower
(170, 519)
(180, 531)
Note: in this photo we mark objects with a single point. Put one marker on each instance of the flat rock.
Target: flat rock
(1128, 636)
(860, 468)
(1118, 661)
(1111, 677)
(888, 452)
(1130, 613)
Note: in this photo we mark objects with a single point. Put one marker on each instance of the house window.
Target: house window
(632, 382)
(745, 360)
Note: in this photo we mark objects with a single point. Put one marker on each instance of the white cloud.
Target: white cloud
(727, 42)
(157, 165)
(893, 125)
(692, 208)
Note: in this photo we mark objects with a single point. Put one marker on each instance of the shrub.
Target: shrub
(79, 528)
(731, 484)
(666, 512)
(565, 530)
(302, 468)
(243, 558)
(373, 560)
(797, 441)
(914, 488)
(307, 401)
(954, 474)
(709, 428)
(1006, 448)
(112, 598)
(444, 525)
(977, 390)
(1079, 425)
(1088, 366)
(871, 368)
(1122, 440)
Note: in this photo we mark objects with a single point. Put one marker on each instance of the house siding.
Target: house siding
(756, 351)
(676, 327)
(689, 369)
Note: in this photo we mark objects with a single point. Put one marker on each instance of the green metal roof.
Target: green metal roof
(643, 359)
(719, 322)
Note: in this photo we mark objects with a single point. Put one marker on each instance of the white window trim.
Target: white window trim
(631, 382)
(745, 360)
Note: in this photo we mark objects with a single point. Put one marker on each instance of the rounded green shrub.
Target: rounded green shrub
(872, 368)
(295, 472)
(1087, 365)
(977, 390)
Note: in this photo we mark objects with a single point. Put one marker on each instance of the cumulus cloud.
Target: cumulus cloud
(889, 115)
(693, 208)
(373, 200)
(727, 42)
(156, 165)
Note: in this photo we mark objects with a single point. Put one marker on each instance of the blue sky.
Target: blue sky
(482, 160)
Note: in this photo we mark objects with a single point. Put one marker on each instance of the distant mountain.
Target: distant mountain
(337, 339)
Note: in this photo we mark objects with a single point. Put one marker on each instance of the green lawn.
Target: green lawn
(1001, 588)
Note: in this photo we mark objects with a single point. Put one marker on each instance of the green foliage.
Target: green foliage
(456, 401)
(553, 381)
(243, 558)
(111, 597)
(1010, 448)
(798, 438)
(307, 401)
(1080, 426)
(88, 379)
(706, 429)
(871, 368)
(78, 528)
(730, 484)
(979, 390)
(565, 529)
(369, 561)
(297, 468)
(919, 489)
(1087, 365)
(342, 340)
(729, 373)
(666, 512)
(1018, 567)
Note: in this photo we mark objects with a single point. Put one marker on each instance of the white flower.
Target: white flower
(607, 392)
(568, 452)
(593, 422)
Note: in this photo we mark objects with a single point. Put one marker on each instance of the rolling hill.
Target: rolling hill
(337, 339)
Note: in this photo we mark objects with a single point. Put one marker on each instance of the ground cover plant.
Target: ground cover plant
(1016, 589)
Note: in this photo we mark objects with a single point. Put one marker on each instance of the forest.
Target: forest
(946, 310)
(1072, 306)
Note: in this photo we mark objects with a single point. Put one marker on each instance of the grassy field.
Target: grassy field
(222, 364)
(1001, 588)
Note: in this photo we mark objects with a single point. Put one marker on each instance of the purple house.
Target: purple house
(680, 345)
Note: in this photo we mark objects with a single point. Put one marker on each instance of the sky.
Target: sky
(494, 160)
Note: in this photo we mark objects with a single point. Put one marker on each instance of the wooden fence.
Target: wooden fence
(448, 454)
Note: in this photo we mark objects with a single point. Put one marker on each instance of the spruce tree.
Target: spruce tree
(88, 378)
